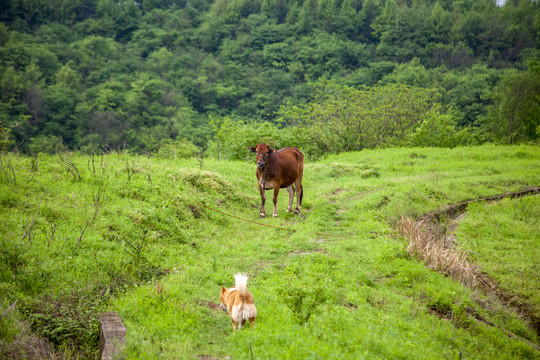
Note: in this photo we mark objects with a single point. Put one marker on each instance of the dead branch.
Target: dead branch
(65, 161)
(32, 223)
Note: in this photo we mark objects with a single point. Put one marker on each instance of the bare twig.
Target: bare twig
(51, 238)
(83, 231)
(535, 267)
(65, 161)
(201, 159)
(34, 168)
(32, 223)
(7, 171)
(93, 164)
(137, 247)
(128, 170)
(64, 243)
(98, 201)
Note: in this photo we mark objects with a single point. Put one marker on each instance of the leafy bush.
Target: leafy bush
(303, 301)
(173, 149)
(232, 139)
(438, 130)
(341, 118)
(46, 144)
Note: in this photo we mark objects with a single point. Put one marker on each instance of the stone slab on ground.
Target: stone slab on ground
(112, 335)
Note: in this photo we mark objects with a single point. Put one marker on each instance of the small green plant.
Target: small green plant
(526, 210)
(303, 301)
(136, 246)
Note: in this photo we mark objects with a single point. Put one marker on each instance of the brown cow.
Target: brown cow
(279, 169)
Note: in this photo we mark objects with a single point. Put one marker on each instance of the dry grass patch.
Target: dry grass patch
(429, 245)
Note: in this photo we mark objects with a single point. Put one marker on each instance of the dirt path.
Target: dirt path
(436, 245)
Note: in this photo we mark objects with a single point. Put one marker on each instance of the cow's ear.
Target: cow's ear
(252, 148)
(271, 151)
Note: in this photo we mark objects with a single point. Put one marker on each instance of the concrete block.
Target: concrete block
(112, 335)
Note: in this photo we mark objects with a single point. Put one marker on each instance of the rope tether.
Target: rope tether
(257, 223)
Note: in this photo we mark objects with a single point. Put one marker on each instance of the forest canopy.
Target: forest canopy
(181, 77)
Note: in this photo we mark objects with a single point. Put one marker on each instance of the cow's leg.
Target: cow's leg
(299, 193)
(290, 189)
(263, 200)
(276, 193)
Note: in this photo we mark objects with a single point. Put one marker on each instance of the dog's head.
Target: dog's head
(222, 299)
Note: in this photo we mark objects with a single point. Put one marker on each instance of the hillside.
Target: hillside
(143, 75)
(83, 234)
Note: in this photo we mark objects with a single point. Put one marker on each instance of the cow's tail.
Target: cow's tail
(301, 193)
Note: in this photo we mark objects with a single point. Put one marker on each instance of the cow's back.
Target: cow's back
(286, 165)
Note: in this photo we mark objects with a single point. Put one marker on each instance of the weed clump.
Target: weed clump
(303, 301)
(16, 338)
(364, 171)
(70, 320)
(206, 180)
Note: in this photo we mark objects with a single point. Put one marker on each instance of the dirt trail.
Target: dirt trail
(437, 247)
(453, 211)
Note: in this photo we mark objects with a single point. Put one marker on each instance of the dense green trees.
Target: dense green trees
(103, 74)
(515, 113)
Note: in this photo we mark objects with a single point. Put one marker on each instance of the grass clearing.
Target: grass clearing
(129, 236)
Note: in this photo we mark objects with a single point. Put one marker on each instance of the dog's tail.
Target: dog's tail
(240, 283)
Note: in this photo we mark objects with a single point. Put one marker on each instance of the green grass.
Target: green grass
(361, 295)
(505, 241)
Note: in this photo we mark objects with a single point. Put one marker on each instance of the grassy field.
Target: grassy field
(83, 234)
(504, 240)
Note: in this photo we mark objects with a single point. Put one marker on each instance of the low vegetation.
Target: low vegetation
(83, 234)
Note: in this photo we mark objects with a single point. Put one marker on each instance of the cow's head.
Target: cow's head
(262, 150)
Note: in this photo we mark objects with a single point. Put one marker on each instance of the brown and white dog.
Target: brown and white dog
(238, 302)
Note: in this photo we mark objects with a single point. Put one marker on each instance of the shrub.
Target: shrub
(173, 149)
(341, 118)
(233, 138)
